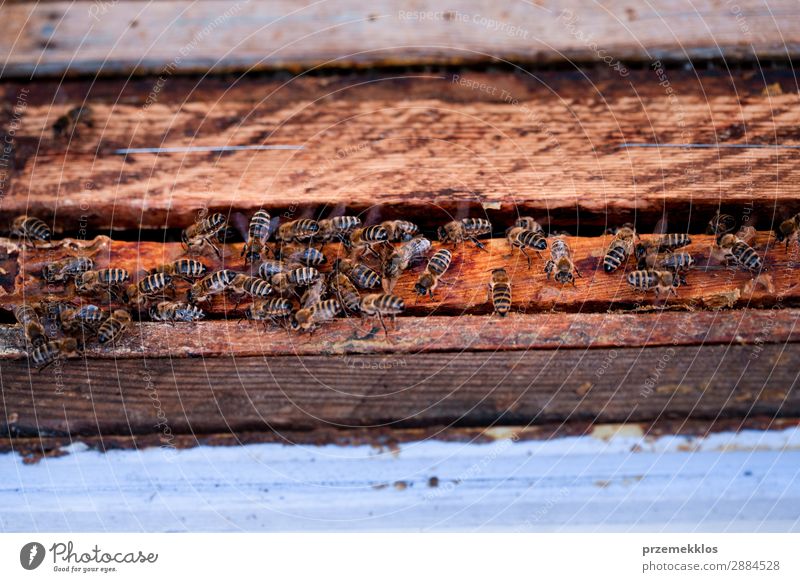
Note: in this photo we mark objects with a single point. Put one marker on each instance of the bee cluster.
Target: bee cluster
(285, 286)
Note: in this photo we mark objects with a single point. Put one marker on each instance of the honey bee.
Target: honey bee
(269, 268)
(400, 230)
(287, 281)
(561, 262)
(672, 241)
(365, 238)
(458, 231)
(660, 281)
(338, 227)
(59, 271)
(297, 230)
(213, 284)
(619, 249)
(437, 266)
(172, 311)
(522, 239)
(381, 306)
(308, 256)
(52, 351)
(271, 309)
(31, 229)
(358, 273)
(679, 263)
(401, 258)
(150, 286)
(187, 269)
(789, 230)
(257, 236)
(32, 328)
(314, 293)
(721, 224)
(345, 291)
(253, 286)
(112, 328)
(203, 232)
(102, 280)
(310, 318)
(84, 319)
(500, 292)
(734, 249)
(68, 123)
(528, 223)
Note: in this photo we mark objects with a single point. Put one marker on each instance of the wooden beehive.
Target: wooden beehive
(581, 151)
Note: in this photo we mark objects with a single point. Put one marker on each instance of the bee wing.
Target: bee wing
(239, 222)
(662, 225)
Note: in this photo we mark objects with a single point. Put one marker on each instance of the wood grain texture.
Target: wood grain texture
(710, 284)
(171, 396)
(122, 37)
(426, 145)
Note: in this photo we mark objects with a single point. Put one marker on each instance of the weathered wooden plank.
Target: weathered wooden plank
(420, 145)
(710, 285)
(171, 396)
(126, 36)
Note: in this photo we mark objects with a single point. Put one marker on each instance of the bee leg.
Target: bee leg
(478, 243)
(527, 256)
(383, 325)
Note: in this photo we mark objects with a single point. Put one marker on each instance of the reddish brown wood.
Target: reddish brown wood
(419, 145)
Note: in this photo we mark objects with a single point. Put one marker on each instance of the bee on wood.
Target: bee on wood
(308, 256)
(112, 328)
(287, 281)
(734, 249)
(32, 328)
(60, 271)
(789, 230)
(400, 230)
(679, 263)
(253, 286)
(52, 351)
(68, 123)
(31, 230)
(172, 311)
(314, 293)
(147, 288)
(458, 231)
(437, 266)
(103, 280)
(203, 232)
(721, 224)
(338, 227)
(500, 292)
(268, 268)
(310, 318)
(297, 230)
(561, 262)
(213, 284)
(660, 281)
(187, 269)
(528, 223)
(85, 319)
(672, 241)
(381, 306)
(619, 249)
(401, 258)
(269, 310)
(365, 239)
(360, 274)
(522, 239)
(258, 234)
(345, 291)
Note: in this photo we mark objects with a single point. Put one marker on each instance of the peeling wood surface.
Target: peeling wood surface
(226, 394)
(436, 143)
(710, 285)
(52, 38)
